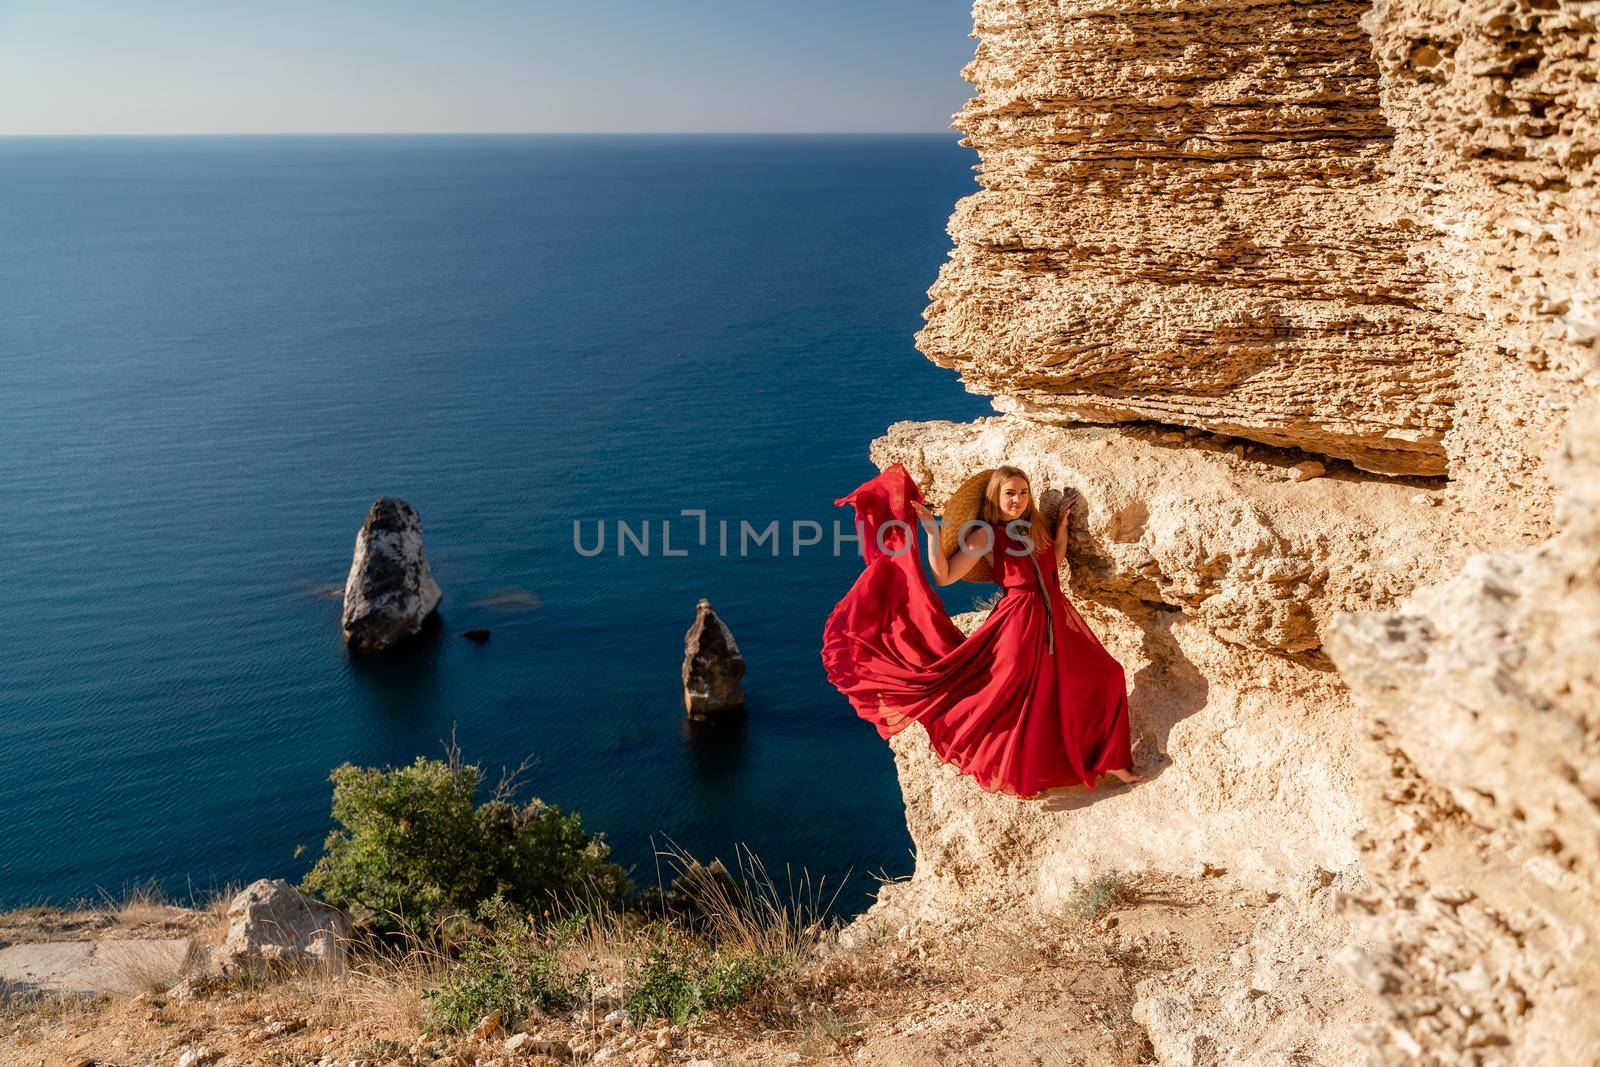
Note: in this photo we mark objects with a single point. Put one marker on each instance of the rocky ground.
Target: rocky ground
(994, 988)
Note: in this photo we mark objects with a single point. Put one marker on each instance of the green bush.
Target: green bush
(514, 968)
(679, 980)
(413, 848)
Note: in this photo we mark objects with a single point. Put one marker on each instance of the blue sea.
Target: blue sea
(215, 352)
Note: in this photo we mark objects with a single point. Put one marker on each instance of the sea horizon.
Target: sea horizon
(857, 134)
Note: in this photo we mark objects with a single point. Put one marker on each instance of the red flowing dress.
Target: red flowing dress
(1018, 711)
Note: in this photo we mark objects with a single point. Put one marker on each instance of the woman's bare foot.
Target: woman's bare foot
(1126, 777)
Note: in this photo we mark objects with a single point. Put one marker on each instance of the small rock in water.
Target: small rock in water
(390, 593)
(712, 666)
(477, 637)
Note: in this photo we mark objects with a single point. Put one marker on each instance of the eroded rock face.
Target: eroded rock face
(1494, 179)
(1487, 698)
(390, 594)
(1371, 233)
(1235, 540)
(273, 927)
(1177, 224)
(712, 666)
(1250, 761)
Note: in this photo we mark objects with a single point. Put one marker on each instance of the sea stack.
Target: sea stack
(712, 667)
(390, 594)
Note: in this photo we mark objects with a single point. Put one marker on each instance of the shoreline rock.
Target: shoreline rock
(274, 927)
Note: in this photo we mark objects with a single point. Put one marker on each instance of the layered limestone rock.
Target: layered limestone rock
(1335, 250)
(1177, 224)
(1493, 178)
(1228, 533)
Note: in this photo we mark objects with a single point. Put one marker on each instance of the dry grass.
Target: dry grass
(1016, 943)
(215, 905)
(756, 918)
(987, 603)
(382, 993)
(31, 1008)
(385, 998)
(755, 914)
(1005, 985)
(145, 905)
(147, 969)
(1089, 901)
(142, 910)
(384, 984)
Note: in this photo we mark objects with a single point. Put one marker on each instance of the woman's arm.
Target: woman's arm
(1062, 523)
(952, 569)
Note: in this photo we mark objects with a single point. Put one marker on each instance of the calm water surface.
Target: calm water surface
(214, 352)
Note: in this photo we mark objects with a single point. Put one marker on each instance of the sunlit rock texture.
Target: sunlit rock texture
(1302, 299)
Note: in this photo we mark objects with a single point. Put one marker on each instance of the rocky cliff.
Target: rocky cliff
(1301, 298)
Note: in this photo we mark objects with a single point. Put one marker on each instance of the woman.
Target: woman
(1029, 701)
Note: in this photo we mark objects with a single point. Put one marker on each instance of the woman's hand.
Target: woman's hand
(1064, 519)
(924, 516)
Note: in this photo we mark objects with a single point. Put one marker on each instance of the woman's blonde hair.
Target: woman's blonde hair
(989, 511)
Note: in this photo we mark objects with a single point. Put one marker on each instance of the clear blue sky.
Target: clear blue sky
(226, 66)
